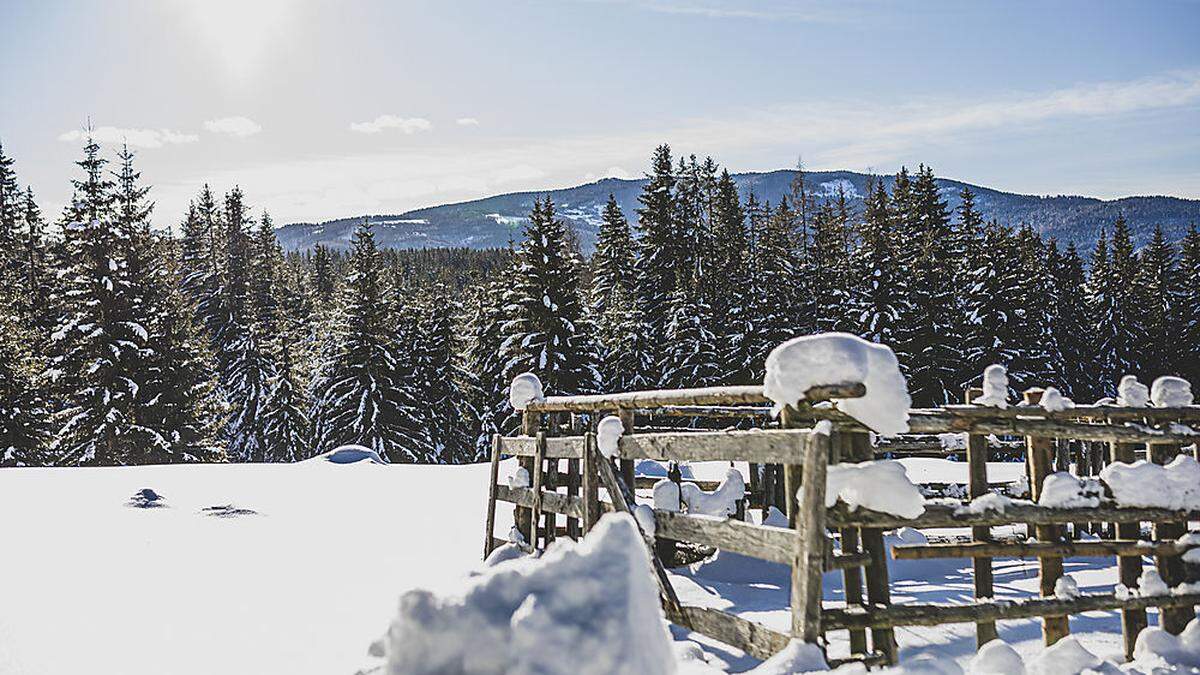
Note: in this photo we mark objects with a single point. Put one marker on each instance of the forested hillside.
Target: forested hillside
(123, 345)
(491, 222)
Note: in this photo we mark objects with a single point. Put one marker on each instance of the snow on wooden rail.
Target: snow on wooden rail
(716, 396)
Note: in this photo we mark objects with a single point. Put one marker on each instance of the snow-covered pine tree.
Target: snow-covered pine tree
(323, 283)
(656, 256)
(287, 430)
(98, 346)
(484, 360)
(23, 429)
(413, 374)
(879, 288)
(11, 206)
(1127, 316)
(774, 293)
(1188, 330)
(1034, 302)
(444, 402)
(933, 347)
(969, 231)
(990, 299)
(613, 305)
(356, 395)
(829, 266)
(201, 256)
(691, 358)
(1104, 370)
(546, 330)
(265, 292)
(1157, 291)
(799, 209)
(1072, 327)
(35, 277)
(725, 282)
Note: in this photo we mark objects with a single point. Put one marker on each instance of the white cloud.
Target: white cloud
(137, 138)
(467, 122)
(409, 125)
(234, 126)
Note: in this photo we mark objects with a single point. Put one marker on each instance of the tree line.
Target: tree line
(123, 344)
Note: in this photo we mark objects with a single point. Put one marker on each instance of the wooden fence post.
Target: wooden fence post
(491, 506)
(1040, 460)
(1170, 567)
(977, 486)
(852, 577)
(628, 418)
(590, 482)
(535, 511)
(808, 559)
(1129, 566)
(879, 590)
(530, 422)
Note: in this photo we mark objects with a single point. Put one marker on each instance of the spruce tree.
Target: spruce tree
(1101, 304)
(612, 305)
(11, 206)
(691, 358)
(1034, 299)
(657, 256)
(1127, 318)
(1188, 331)
(1157, 293)
(287, 429)
(1073, 329)
(880, 288)
(829, 266)
(991, 293)
(724, 285)
(23, 429)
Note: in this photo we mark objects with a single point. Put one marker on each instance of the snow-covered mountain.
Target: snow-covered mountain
(493, 221)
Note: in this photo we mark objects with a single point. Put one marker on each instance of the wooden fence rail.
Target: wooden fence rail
(788, 464)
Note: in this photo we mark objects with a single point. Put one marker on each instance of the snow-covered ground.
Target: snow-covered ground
(300, 567)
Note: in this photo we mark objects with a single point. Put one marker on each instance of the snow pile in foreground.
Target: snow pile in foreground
(1156, 651)
(995, 387)
(1062, 490)
(796, 657)
(1156, 647)
(349, 454)
(587, 608)
(802, 363)
(525, 389)
(881, 485)
(1145, 484)
(1131, 393)
(1171, 392)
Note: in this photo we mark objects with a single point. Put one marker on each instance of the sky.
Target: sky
(321, 110)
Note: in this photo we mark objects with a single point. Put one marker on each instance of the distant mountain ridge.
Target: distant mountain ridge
(493, 221)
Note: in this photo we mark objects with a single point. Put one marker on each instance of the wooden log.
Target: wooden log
(759, 541)
(1169, 563)
(557, 447)
(1039, 454)
(684, 397)
(550, 481)
(809, 551)
(977, 486)
(491, 505)
(1029, 549)
(714, 411)
(774, 446)
(753, 638)
(574, 531)
(1129, 567)
(1098, 413)
(590, 483)
(852, 577)
(938, 614)
(535, 509)
(945, 515)
(627, 466)
(551, 502)
(530, 424)
(621, 496)
(879, 593)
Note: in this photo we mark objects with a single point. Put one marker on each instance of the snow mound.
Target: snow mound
(1061, 490)
(349, 454)
(721, 502)
(995, 387)
(1054, 401)
(1171, 392)
(1066, 588)
(525, 389)
(802, 363)
(1145, 484)
(1151, 584)
(519, 478)
(796, 657)
(589, 608)
(881, 485)
(608, 434)
(146, 499)
(503, 553)
(1131, 393)
(996, 658)
(1065, 657)
(666, 496)
(1156, 646)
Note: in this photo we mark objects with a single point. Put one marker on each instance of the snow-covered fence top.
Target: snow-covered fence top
(700, 396)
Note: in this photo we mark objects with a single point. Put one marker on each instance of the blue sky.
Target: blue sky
(328, 109)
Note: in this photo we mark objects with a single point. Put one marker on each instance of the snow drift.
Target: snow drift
(802, 363)
(589, 608)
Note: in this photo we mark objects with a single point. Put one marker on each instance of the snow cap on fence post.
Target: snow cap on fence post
(1131, 393)
(805, 362)
(608, 435)
(1171, 392)
(995, 387)
(526, 388)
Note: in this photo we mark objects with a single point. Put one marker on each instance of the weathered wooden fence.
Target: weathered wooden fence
(788, 460)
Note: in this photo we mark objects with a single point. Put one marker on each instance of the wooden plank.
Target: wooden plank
(1099, 413)
(758, 541)
(557, 447)
(945, 515)
(1039, 453)
(809, 551)
(879, 593)
(491, 505)
(677, 397)
(852, 577)
(1169, 563)
(753, 638)
(535, 509)
(626, 462)
(1129, 568)
(765, 446)
(977, 486)
(590, 483)
(530, 423)
(552, 502)
(1028, 549)
(938, 614)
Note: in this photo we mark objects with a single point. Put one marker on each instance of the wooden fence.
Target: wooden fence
(788, 460)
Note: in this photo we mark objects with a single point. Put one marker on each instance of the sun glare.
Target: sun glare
(240, 35)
